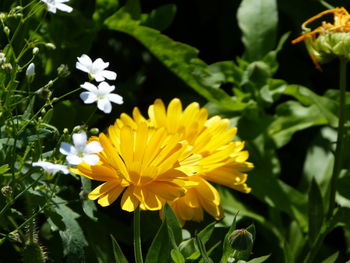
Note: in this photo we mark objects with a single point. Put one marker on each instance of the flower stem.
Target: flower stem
(137, 237)
(339, 147)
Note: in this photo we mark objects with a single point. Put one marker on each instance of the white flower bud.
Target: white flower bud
(30, 72)
(35, 50)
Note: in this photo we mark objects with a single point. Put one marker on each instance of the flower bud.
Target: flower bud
(35, 50)
(30, 72)
(7, 191)
(2, 58)
(94, 131)
(77, 129)
(50, 46)
(241, 239)
(7, 67)
(2, 16)
(7, 30)
(65, 131)
(63, 71)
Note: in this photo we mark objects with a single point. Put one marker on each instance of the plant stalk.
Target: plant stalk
(137, 237)
(339, 146)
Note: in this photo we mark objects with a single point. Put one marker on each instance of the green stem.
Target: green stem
(339, 147)
(137, 237)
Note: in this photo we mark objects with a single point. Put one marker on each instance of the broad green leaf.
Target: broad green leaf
(176, 256)
(160, 248)
(172, 223)
(332, 258)
(160, 18)
(89, 206)
(296, 240)
(118, 253)
(315, 209)
(326, 106)
(258, 20)
(179, 58)
(292, 117)
(259, 259)
(104, 8)
(73, 239)
(319, 159)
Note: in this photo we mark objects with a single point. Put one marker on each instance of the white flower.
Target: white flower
(30, 72)
(95, 69)
(53, 5)
(2, 57)
(102, 94)
(81, 151)
(51, 168)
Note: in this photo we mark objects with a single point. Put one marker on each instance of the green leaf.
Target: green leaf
(89, 206)
(160, 18)
(4, 168)
(176, 256)
(327, 107)
(258, 20)
(73, 239)
(206, 233)
(203, 251)
(29, 110)
(179, 58)
(118, 253)
(292, 117)
(104, 8)
(343, 185)
(227, 249)
(172, 223)
(259, 259)
(160, 248)
(332, 258)
(315, 209)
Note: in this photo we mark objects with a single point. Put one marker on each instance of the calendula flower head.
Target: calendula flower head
(329, 40)
(214, 156)
(139, 163)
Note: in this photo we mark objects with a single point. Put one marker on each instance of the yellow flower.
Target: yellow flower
(328, 40)
(141, 163)
(214, 156)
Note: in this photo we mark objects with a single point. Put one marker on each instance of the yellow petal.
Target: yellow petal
(129, 202)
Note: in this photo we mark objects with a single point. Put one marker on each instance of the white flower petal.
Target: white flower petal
(99, 65)
(105, 88)
(90, 87)
(104, 105)
(88, 97)
(93, 147)
(85, 60)
(67, 148)
(108, 74)
(64, 8)
(79, 140)
(115, 98)
(82, 67)
(91, 159)
(74, 159)
(51, 168)
(97, 76)
(51, 8)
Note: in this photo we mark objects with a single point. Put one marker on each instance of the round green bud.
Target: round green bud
(7, 30)
(241, 239)
(94, 131)
(35, 50)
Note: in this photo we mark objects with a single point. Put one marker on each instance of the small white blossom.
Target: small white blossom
(96, 69)
(102, 94)
(2, 57)
(30, 72)
(53, 5)
(51, 168)
(81, 151)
